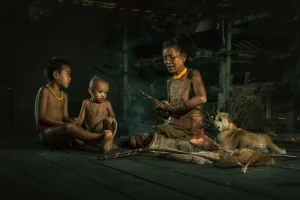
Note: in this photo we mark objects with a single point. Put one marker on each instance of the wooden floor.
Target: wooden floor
(30, 171)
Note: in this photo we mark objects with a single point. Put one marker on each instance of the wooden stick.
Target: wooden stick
(244, 169)
(286, 156)
(256, 155)
(149, 97)
(161, 151)
(119, 154)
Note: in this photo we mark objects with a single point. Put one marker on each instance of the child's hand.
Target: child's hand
(74, 120)
(157, 104)
(98, 127)
(162, 105)
(115, 127)
(165, 105)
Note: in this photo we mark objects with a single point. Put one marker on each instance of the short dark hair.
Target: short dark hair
(173, 42)
(182, 43)
(54, 64)
(95, 79)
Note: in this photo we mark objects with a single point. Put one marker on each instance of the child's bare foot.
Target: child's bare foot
(108, 141)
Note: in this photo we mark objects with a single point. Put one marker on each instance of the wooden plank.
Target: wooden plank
(277, 173)
(289, 166)
(15, 184)
(202, 26)
(189, 185)
(64, 182)
(249, 18)
(253, 182)
(288, 163)
(209, 170)
(132, 186)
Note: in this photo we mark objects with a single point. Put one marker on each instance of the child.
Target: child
(51, 110)
(97, 112)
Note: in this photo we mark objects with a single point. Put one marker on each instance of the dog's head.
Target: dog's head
(222, 121)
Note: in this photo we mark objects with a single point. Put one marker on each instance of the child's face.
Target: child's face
(63, 78)
(99, 91)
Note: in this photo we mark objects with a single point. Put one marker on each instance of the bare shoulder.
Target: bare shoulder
(194, 73)
(107, 103)
(169, 80)
(43, 91)
(85, 102)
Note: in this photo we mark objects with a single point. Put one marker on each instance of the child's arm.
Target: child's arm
(66, 112)
(42, 97)
(110, 110)
(82, 113)
(111, 114)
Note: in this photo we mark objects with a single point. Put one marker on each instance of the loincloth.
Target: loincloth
(158, 141)
(182, 144)
(140, 140)
(191, 124)
(182, 150)
(43, 131)
(40, 128)
(220, 158)
(172, 130)
(176, 149)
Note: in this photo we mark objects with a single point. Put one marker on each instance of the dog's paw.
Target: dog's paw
(283, 151)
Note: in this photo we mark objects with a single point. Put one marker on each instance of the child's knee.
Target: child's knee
(109, 120)
(108, 123)
(69, 128)
(107, 134)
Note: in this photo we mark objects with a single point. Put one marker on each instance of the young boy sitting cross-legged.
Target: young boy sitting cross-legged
(51, 110)
(97, 113)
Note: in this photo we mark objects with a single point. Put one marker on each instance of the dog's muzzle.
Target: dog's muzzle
(220, 127)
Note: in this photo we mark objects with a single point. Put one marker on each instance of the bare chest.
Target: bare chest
(54, 104)
(96, 112)
(180, 90)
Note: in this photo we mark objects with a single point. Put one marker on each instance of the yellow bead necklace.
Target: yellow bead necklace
(58, 98)
(181, 74)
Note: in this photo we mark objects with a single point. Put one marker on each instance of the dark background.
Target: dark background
(91, 37)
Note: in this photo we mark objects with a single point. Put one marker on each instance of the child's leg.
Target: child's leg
(66, 132)
(111, 124)
(108, 141)
(70, 131)
(107, 144)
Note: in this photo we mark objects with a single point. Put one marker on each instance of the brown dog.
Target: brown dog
(232, 138)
